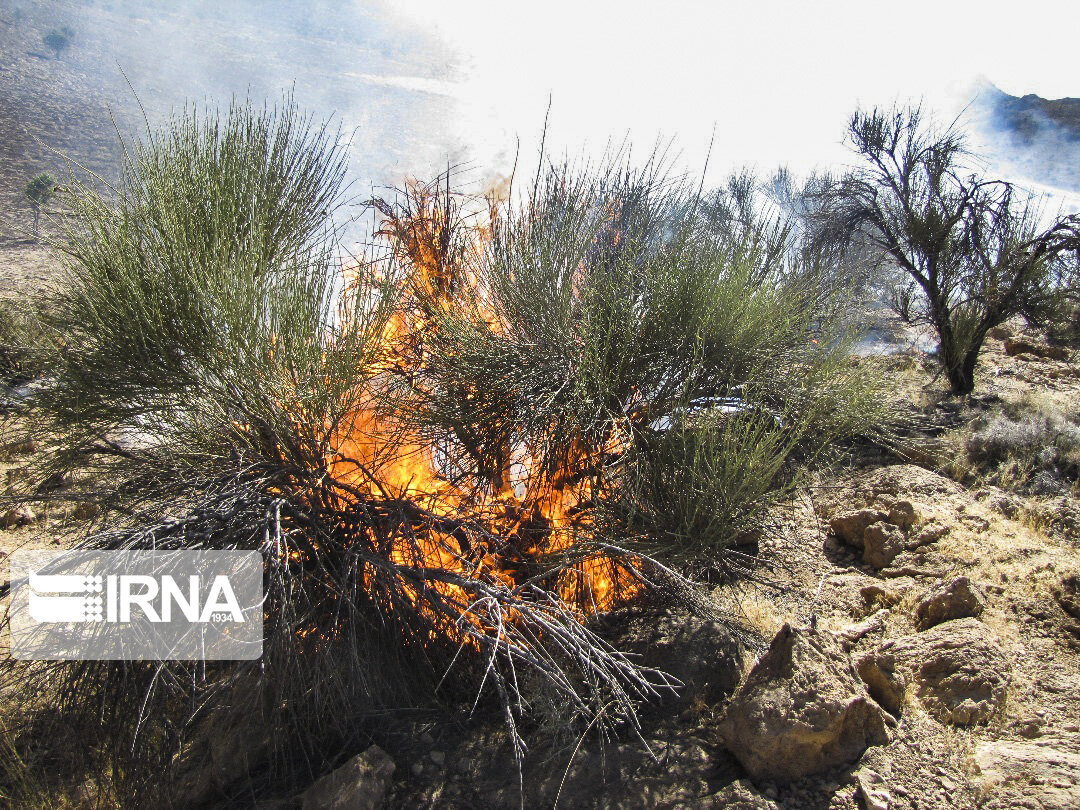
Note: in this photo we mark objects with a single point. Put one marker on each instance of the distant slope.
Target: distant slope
(1029, 137)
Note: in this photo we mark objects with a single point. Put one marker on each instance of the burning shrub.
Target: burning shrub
(644, 378)
(449, 457)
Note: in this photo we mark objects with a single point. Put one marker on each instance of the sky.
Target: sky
(765, 83)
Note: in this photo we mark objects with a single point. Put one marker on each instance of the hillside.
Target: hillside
(1033, 138)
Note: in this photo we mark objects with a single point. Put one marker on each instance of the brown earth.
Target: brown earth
(1024, 748)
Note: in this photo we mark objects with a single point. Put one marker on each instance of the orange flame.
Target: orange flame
(536, 517)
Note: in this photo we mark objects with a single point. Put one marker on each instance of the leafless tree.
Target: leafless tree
(973, 252)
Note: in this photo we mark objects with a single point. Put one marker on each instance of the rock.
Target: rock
(1068, 595)
(850, 526)
(1006, 504)
(740, 795)
(360, 784)
(702, 654)
(1000, 332)
(885, 682)
(881, 543)
(958, 670)
(1046, 772)
(1015, 347)
(801, 710)
(903, 514)
(872, 789)
(910, 479)
(218, 758)
(19, 516)
(1062, 515)
(930, 533)
(958, 599)
(905, 568)
(871, 624)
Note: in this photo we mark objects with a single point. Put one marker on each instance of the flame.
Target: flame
(523, 523)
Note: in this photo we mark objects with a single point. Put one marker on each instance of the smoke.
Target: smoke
(420, 85)
(1032, 141)
(388, 86)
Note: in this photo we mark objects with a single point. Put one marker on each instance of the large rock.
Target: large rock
(882, 536)
(704, 655)
(360, 784)
(958, 599)
(881, 543)
(1014, 347)
(1046, 772)
(801, 710)
(850, 526)
(958, 671)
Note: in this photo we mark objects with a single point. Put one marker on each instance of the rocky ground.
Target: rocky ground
(914, 643)
(919, 648)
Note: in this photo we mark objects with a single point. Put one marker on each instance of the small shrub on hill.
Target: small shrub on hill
(1028, 444)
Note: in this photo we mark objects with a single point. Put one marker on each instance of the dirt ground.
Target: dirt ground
(1026, 564)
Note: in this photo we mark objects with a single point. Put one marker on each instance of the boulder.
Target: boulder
(801, 710)
(925, 535)
(883, 535)
(907, 480)
(958, 599)
(958, 671)
(702, 654)
(850, 526)
(903, 514)
(1015, 347)
(881, 543)
(360, 784)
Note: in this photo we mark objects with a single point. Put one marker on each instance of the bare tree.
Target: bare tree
(57, 41)
(39, 191)
(973, 251)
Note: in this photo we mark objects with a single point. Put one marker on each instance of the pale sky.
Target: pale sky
(775, 81)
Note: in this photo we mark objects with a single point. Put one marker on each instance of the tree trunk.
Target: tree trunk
(961, 370)
(962, 375)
